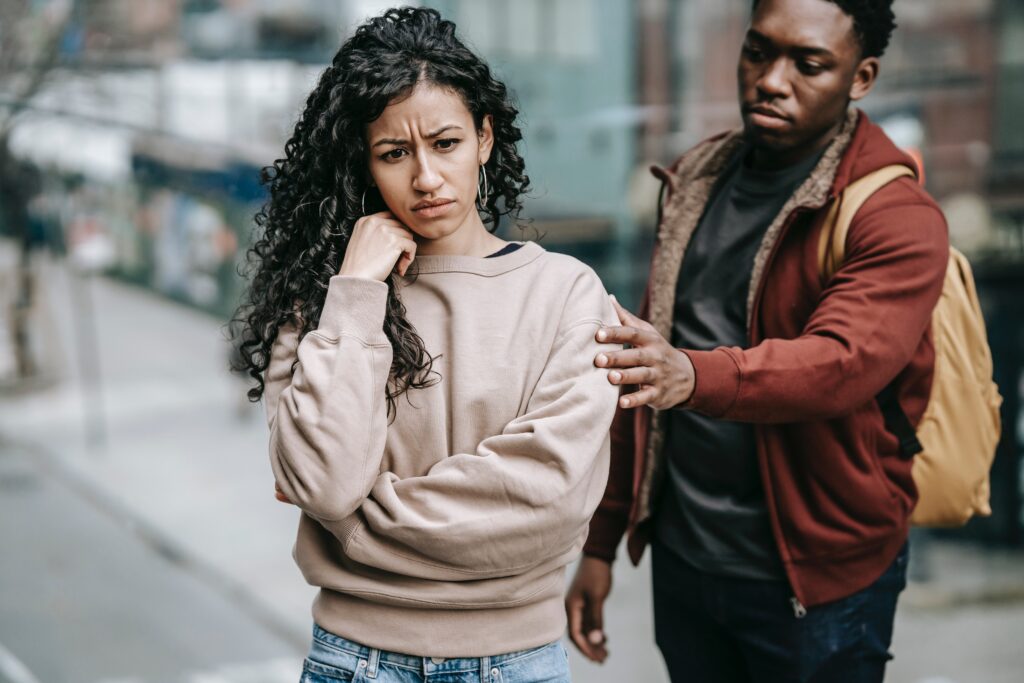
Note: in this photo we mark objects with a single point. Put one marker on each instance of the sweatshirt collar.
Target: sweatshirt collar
(476, 265)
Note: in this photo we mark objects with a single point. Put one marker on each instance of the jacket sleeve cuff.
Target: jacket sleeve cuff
(355, 306)
(716, 382)
(606, 530)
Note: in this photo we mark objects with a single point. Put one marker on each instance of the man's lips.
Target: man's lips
(766, 118)
(768, 112)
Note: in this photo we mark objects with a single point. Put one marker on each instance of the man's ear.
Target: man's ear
(864, 78)
(486, 137)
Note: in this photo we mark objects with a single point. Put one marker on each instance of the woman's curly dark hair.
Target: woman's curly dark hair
(317, 189)
(873, 23)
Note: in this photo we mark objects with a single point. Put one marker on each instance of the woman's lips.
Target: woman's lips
(435, 210)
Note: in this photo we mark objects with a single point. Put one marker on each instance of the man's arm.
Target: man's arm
(870, 319)
(611, 519)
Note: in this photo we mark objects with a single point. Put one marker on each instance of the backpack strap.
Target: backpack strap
(897, 423)
(832, 241)
(832, 251)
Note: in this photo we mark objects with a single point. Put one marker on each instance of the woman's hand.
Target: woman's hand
(378, 246)
(279, 494)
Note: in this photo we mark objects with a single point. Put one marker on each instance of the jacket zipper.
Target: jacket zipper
(799, 611)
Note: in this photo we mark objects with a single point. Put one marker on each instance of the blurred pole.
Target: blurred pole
(25, 366)
(83, 313)
(654, 74)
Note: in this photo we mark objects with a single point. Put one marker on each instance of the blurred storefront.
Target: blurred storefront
(159, 115)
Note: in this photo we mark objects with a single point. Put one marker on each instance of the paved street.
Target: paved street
(90, 596)
(156, 552)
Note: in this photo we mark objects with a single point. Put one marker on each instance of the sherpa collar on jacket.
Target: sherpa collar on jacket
(689, 186)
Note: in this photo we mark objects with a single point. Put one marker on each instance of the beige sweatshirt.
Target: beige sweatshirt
(446, 533)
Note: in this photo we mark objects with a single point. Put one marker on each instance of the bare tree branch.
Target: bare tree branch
(37, 68)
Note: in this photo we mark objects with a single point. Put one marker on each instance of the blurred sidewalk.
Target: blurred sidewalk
(181, 460)
(164, 446)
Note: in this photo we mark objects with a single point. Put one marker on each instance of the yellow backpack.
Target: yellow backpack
(955, 442)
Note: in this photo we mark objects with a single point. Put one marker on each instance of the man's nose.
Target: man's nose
(774, 81)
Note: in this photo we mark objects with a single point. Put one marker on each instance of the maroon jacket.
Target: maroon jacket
(838, 493)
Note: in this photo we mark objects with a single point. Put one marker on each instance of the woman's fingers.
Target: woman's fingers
(279, 494)
(379, 246)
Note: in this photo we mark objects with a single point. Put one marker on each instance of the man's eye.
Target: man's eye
(811, 68)
(754, 54)
(447, 143)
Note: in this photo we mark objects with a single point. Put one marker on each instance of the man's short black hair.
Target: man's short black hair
(873, 22)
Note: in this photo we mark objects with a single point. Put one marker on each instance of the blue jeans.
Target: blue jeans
(333, 659)
(713, 628)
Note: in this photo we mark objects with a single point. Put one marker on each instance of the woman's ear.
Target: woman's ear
(486, 137)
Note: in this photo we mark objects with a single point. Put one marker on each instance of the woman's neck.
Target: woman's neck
(472, 239)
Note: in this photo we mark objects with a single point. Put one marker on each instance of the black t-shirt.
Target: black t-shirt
(712, 513)
(507, 249)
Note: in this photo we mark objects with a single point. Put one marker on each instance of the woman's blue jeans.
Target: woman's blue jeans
(333, 659)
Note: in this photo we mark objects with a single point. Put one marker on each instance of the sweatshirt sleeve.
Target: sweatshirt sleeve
(524, 498)
(871, 317)
(325, 401)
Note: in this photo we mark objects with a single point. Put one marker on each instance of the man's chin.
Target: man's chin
(766, 138)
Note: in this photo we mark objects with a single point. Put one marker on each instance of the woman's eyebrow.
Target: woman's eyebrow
(429, 136)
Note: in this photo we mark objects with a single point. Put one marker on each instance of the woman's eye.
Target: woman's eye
(393, 155)
(447, 143)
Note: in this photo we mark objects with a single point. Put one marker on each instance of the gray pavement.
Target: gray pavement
(90, 596)
(176, 499)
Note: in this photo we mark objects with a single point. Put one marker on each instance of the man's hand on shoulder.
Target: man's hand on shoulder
(663, 373)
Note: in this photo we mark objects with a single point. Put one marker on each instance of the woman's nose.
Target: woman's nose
(427, 178)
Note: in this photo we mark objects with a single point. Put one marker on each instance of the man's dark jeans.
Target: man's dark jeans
(712, 629)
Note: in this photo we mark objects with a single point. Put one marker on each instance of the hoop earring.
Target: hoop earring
(481, 195)
(362, 202)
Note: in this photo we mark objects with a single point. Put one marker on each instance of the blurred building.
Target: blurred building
(952, 86)
(160, 113)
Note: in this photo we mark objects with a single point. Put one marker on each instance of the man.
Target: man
(750, 448)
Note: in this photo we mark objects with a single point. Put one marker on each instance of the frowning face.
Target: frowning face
(425, 156)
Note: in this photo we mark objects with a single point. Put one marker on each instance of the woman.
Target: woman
(433, 405)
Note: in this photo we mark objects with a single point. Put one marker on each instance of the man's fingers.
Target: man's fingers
(629, 358)
(631, 376)
(638, 398)
(574, 608)
(621, 335)
(625, 317)
(593, 625)
(628, 319)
